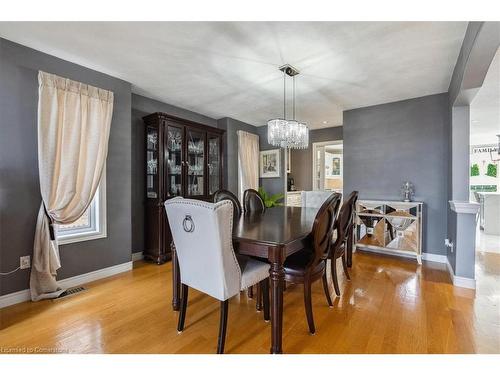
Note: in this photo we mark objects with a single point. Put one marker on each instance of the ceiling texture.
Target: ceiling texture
(485, 108)
(230, 69)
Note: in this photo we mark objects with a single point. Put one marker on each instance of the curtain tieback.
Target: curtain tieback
(51, 223)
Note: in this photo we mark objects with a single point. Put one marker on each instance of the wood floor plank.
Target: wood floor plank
(391, 306)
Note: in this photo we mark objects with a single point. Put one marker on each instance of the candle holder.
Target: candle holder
(407, 191)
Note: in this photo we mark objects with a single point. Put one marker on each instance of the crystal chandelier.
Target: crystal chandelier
(288, 133)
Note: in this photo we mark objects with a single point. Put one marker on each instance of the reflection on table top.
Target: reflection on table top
(277, 225)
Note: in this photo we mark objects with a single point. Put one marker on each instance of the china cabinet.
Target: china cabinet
(183, 158)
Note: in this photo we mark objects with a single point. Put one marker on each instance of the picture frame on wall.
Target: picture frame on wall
(270, 163)
(333, 165)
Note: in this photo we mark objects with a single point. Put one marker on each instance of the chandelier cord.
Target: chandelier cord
(284, 95)
(288, 134)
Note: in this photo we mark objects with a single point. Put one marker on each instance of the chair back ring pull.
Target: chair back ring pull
(188, 224)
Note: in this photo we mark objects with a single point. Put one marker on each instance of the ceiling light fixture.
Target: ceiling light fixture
(288, 133)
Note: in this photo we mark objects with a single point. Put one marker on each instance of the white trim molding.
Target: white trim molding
(462, 282)
(435, 258)
(24, 295)
(137, 256)
(462, 207)
(15, 298)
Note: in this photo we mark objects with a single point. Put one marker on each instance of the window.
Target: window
(92, 224)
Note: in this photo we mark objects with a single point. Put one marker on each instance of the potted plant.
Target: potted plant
(270, 200)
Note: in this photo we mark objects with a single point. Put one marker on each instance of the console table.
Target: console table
(389, 227)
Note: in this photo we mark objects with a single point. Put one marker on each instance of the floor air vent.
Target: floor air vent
(71, 292)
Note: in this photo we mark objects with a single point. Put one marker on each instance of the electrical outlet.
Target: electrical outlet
(449, 244)
(25, 262)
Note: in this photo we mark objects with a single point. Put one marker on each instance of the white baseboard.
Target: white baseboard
(435, 258)
(137, 256)
(462, 282)
(14, 298)
(95, 275)
(425, 256)
(24, 295)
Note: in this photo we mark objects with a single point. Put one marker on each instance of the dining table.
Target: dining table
(273, 235)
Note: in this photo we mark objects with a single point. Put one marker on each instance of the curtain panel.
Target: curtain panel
(74, 121)
(248, 162)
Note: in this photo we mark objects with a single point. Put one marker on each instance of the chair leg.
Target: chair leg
(265, 297)
(308, 306)
(344, 265)
(334, 276)
(327, 292)
(250, 292)
(222, 326)
(258, 304)
(182, 313)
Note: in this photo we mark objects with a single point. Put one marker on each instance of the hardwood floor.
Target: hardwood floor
(390, 306)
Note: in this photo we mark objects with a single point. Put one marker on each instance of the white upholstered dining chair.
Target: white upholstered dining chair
(314, 198)
(202, 234)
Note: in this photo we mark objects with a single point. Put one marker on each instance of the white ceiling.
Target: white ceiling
(231, 68)
(485, 108)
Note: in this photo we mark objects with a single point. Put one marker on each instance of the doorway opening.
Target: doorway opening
(484, 179)
(328, 166)
(484, 176)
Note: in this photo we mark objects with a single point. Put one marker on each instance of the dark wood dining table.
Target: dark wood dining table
(273, 235)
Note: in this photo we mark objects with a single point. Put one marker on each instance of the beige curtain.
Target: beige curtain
(74, 120)
(248, 162)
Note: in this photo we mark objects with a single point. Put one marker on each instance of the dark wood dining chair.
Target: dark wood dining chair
(308, 265)
(343, 227)
(252, 201)
(221, 195)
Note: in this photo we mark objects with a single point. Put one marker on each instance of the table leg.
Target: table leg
(277, 278)
(176, 280)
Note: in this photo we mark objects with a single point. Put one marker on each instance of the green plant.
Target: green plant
(474, 170)
(270, 200)
(492, 170)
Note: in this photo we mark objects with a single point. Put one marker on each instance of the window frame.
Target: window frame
(98, 219)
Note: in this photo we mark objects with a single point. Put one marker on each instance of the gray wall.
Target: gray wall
(387, 144)
(19, 185)
(302, 159)
(231, 126)
(277, 184)
(142, 106)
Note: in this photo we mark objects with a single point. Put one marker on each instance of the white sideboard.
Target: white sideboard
(294, 198)
(389, 227)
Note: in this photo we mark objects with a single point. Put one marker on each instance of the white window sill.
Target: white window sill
(79, 237)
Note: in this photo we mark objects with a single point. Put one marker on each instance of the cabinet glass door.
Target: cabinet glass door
(214, 176)
(152, 162)
(173, 159)
(195, 161)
